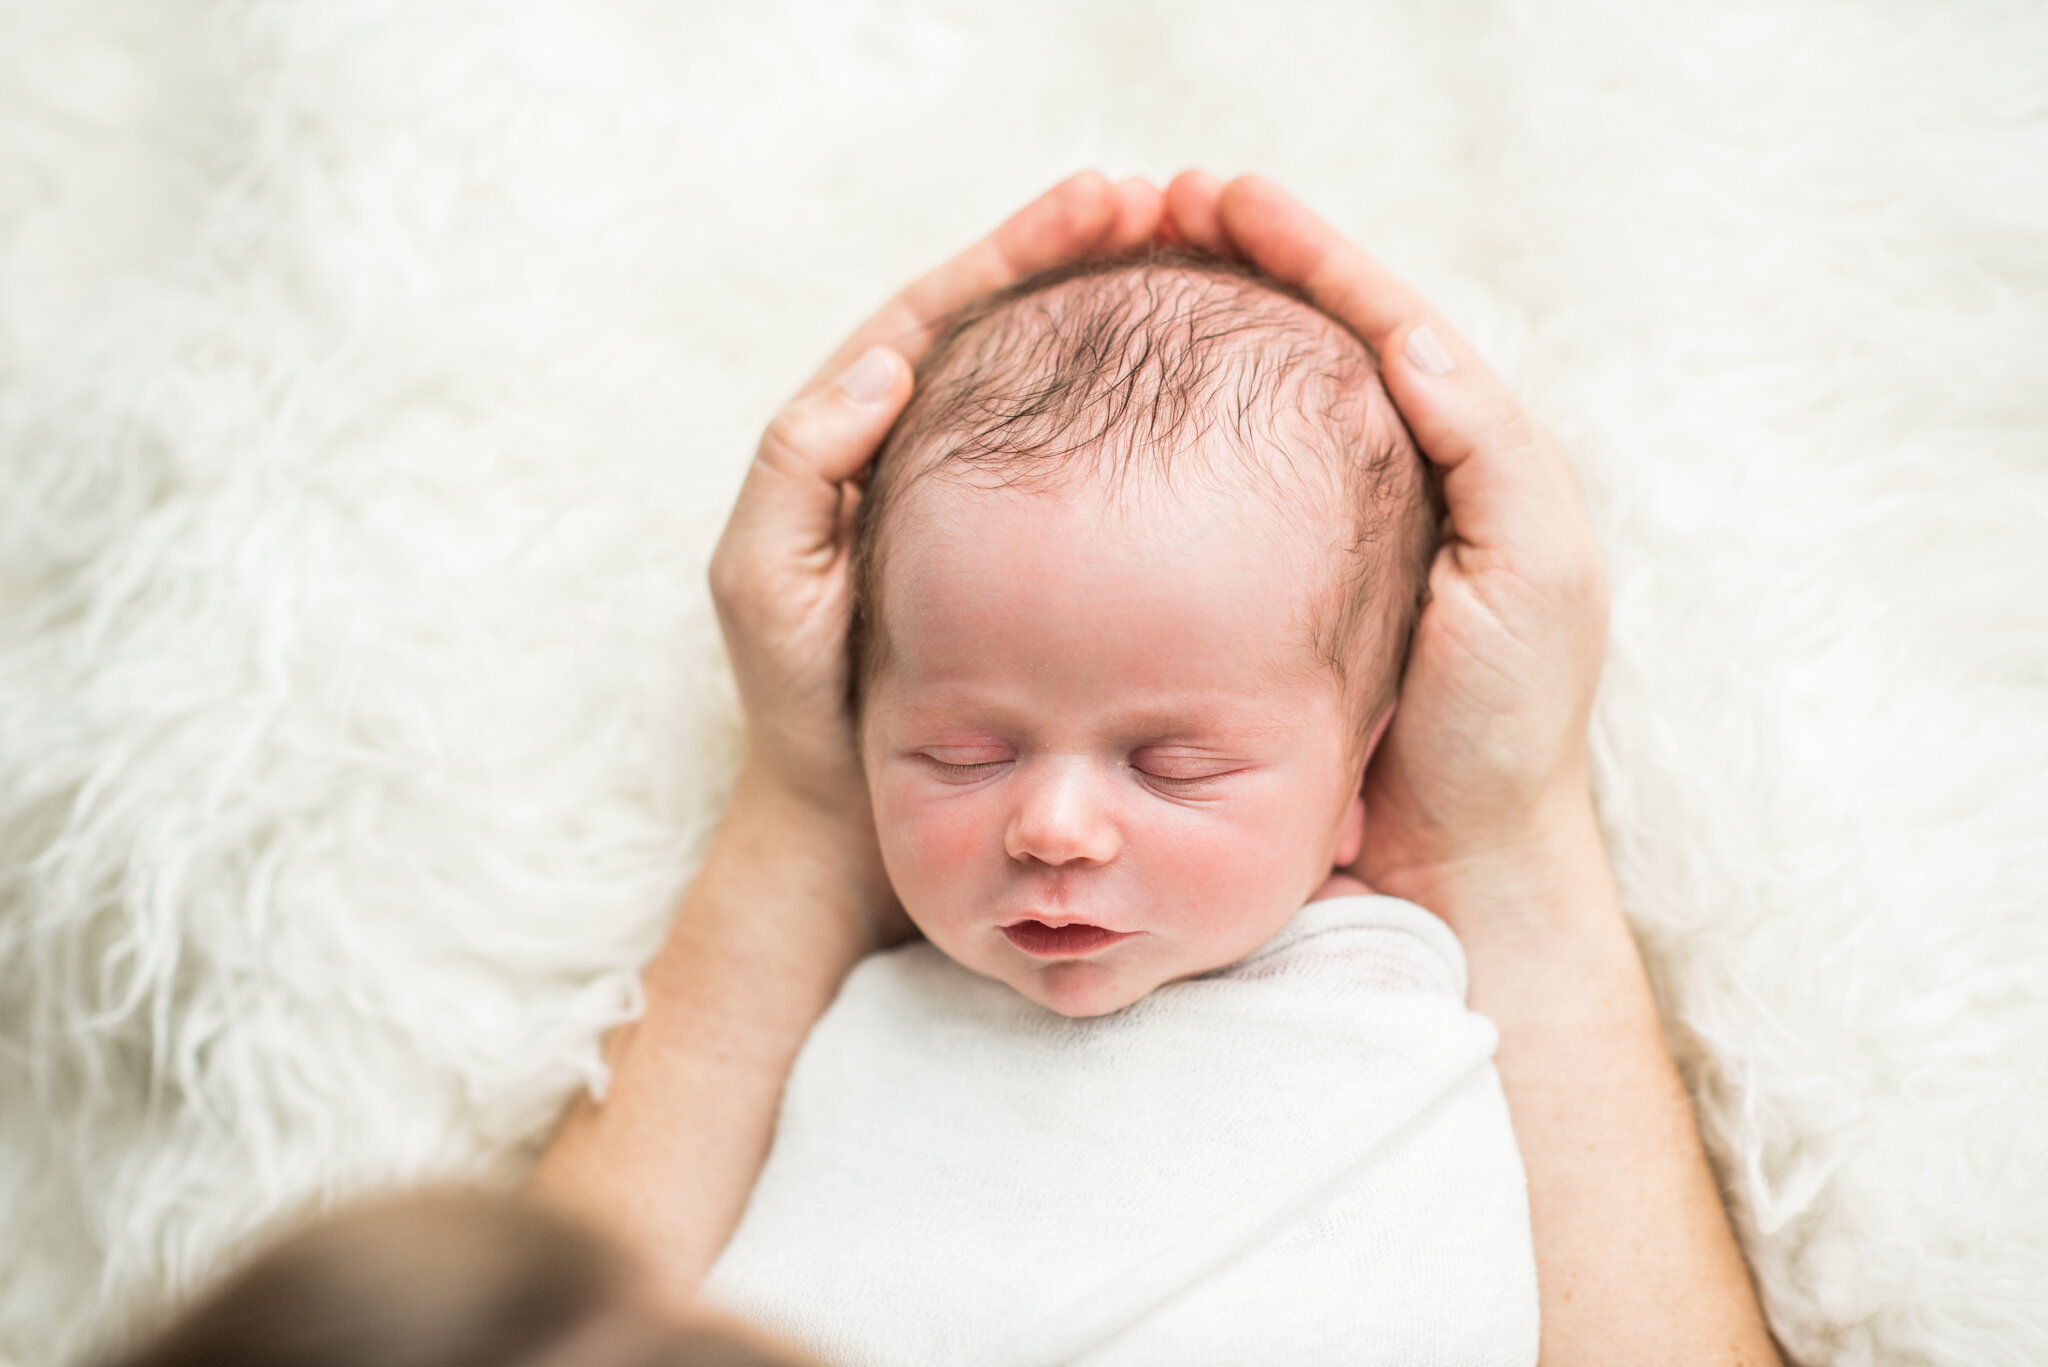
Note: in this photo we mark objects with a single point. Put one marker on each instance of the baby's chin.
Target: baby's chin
(1081, 987)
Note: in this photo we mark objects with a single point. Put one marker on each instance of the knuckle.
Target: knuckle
(786, 438)
(735, 584)
(724, 583)
(1506, 428)
(1558, 567)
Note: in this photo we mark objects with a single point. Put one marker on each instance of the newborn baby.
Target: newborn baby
(1135, 575)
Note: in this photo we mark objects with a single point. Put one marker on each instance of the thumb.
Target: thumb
(794, 492)
(1506, 482)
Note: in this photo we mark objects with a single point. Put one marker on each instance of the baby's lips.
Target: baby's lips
(1048, 919)
(1070, 940)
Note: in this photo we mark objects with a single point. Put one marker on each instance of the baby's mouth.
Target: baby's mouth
(1074, 941)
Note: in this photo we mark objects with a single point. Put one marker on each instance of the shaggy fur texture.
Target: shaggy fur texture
(373, 379)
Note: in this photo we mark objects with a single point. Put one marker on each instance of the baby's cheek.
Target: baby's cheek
(943, 839)
(1241, 877)
(1216, 870)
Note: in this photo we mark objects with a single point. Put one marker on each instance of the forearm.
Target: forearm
(1635, 1257)
(779, 912)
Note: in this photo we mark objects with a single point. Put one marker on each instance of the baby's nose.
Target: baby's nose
(1064, 813)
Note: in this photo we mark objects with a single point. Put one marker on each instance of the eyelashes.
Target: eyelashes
(1188, 783)
(973, 771)
(965, 773)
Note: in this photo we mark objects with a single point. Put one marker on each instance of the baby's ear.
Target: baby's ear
(1351, 833)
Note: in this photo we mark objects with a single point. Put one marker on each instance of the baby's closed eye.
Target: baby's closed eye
(961, 762)
(1182, 769)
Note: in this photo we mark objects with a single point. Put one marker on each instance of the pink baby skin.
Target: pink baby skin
(1102, 752)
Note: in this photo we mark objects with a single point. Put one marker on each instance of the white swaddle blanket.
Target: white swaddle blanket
(1302, 1158)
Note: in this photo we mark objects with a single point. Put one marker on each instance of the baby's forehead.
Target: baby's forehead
(1082, 551)
(1204, 499)
(1085, 573)
(1222, 510)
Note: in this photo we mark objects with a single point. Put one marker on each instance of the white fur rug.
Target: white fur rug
(374, 376)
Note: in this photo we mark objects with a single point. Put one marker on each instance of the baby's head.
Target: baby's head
(1134, 579)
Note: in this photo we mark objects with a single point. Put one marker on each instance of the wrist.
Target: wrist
(811, 776)
(1534, 876)
(824, 837)
(1541, 924)
(791, 894)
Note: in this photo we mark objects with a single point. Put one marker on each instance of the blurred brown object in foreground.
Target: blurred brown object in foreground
(445, 1278)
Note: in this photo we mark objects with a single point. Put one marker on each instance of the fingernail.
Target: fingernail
(1427, 353)
(872, 377)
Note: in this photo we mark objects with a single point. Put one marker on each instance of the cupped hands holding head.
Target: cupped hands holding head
(1477, 805)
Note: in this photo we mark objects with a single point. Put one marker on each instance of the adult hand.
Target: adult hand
(779, 576)
(1486, 755)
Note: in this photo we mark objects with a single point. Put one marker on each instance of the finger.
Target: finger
(1140, 206)
(1506, 482)
(1280, 235)
(1066, 221)
(1191, 200)
(791, 500)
